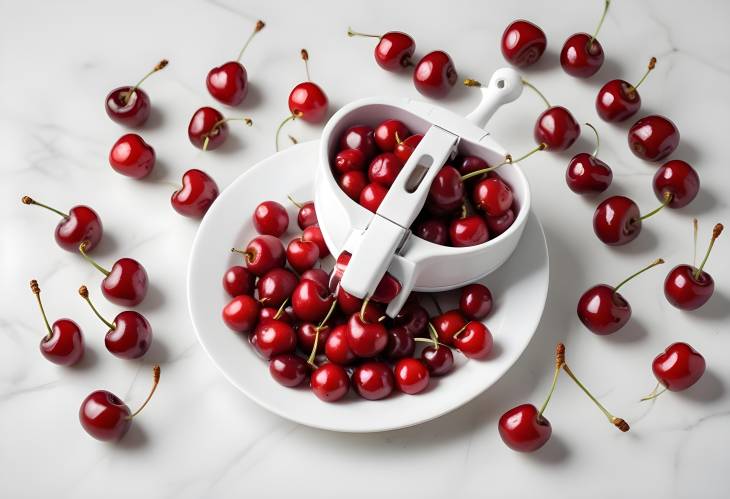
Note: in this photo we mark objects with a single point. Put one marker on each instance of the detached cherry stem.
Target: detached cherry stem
(716, 231)
(160, 65)
(37, 292)
(606, 4)
(559, 361)
(217, 124)
(665, 202)
(84, 292)
(155, 382)
(649, 68)
(653, 394)
(259, 26)
(28, 200)
(656, 262)
(82, 250)
(507, 161)
(598, 139)
(352, 33)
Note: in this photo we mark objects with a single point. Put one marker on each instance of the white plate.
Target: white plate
(519, 287)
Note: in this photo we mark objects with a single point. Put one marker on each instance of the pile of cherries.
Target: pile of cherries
(282, 301)
(468, 203)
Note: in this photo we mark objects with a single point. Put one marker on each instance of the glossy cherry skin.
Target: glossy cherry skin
(384, 169)
(581, 58)
(447, 325)
(317, 275)
(307, 215)
(388, 133)
(276, 286)
(679, 179)
(439, 361)
(366, 339)
(678, 367)
(653, 138)
(329, 382)
(274, 337)
(617, 101)
(314, 233)
(602, 310)
(349, 160)
(556, 128)
(413, 317)
(311, 301)
(288, 369)
(400, 344)
(523, 430)
(271, 218)
(523, 43)
(126, 284)
(475, 301)
(617, 221)
(475, 341)
(361, 137)
(131, 336)
(493, 196)
(353, 183)
(446, 192)
(228, 83)
(435, 75)
(336, 347)
(686, 292)
(270, 313)
(387, 288)
(371, 196)
(308, 102)
(65, 347)
(132, 111)
(470, 164)
(394, 51)
(411, 376)
(207, 123)
(306, 334)
(433, 230)
(198, 193)
(587, 174)
(239, 281)
(264, 253)
(104, 416)
(498, 224)
(81, 224)
(132, 156)
(405, 148)
(302, 255)
(373, 380)
(241, 313)
(468, 231)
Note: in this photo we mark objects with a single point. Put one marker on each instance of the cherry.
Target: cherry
(262, 254)
(497, 225)
(288, 369)
(438, 359)
(239, 281)
(387, 134)
(348, 303)
(274, 337)
(433, 230)
(653, 138)
(362, 138)
(329, 382)
(618, 100)
(447, 325)
(373, 380)
(308, 334)
(603, 310)
(393, 51)
(400, 343)
(353, 183)
(475, 301)
(689, 287)
(229, 83)
(311, 301)
(366, 339)
(435, 74)
(405, 148)
(276, 286)
(523, 43)
(130, 106)
(281, 313)
(125, 284)
(475, 341)
(307, 215)
(384, 169)
(447, 190)
(80, 224)
(556, 128)
(208, 129)
(129, 335)
(586, 173)
(336, 347)
(64, 343)
(678, 179)
(524, 428)
(411, 376)
(468, 231)
(302, 255)
(105, 417)
(470, 164)
(617, 221)
(678, 367)
(317, 275)
(197, 194)
(241, 313)
(349, 160)
(371, 196)
(413, 317)
(132, 156)
(387, 289)
(314, 234)
(270, 218)
(493, 196)
(582, 54)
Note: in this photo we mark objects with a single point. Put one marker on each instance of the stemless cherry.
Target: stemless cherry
(373, 380)
(393, 51)
(125, 284)
(438, 359)
(241, 313)
(582, 54)
(288, 369)
(130, 106)
(276, 286)
(653, 138)
(271, 218)
(274, 337)
(239, 281)
(475, 301)
(497, 225)
(468, 231)
(80, 224)
(523, 43)
(362, 138)
(64, 343)
(493, 196)
(132, 156)
(197, 194)
(475, 341)
(353, 183)
(447, 325)
(336, 347)
(617, 221)
(384, 169)
(677, 179)
(302, 255)
(311, 301)
(411, 376)
(586, 173)
(371, 196)
(434, 230)
(366, 339)
(446, 192)
(388, 133)
(618, 100)
(262, 254)
(435, 75)
(405, 148)
(329, 382)
(349, 160)
(208, 129)
(678, 367)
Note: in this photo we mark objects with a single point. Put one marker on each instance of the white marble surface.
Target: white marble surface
(201, 438)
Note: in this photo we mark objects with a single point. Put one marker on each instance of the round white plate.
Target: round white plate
(519, 288)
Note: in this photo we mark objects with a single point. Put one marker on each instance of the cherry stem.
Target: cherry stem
(305, 58)
(155, 382)
(463, 328)
(218, 123)
(29, 200)
(352, 33)
(617, 422)
(656, 262)
(247, 255)
(82, 250)
(293, 139)
(322, 324)
(434, 335)
(667, 200)
(534, 88)
(37, 292)
(652, 65)
(559, 361)
(295, 203)
(654, 394)
(431, 341)
(160, 65)
(280, 311)
(695, 228)
(716, 231)
(281, 125)
(507, 161)
(84, 292)
(259, 26)
(363, 307)
(598, 140)
(600, 23)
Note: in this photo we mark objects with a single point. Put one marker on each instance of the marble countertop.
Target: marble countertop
(200, 437)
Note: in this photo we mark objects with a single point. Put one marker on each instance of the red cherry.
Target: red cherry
(130, 106)
(447, 190)
(329, 382)
(288, 369)
(653, 138)
(523, 43)
(447, 325)
(400, 344)
(388, 133)
(286, 315)
(274, 337)
(384, 169)
(317, 275)
(393, 51)
(413, 317)
(588, 174)
(433, 230)
(582, 54)
(314, 233)
(263, 253)
(276, 286)
(617, 221)
(336, 347)
(80, 224)
(411, 376)
(353, 183)
(125, 284)
(373, 380)
(239, 281)
(307, 214)
(405, 148)
(475, 341)
(348, 303)
(349, 160)
(501, 223)
(306, 334)
(470, 164)
(311, 301)
(308, 102)
(387, 289)
(678, 367)
(270, 218)
(435, 74)
(366, 339)
(208, 129)
(241, 313)
(64, 343)
(475, 301)
(438, 359)
(493, 196)
(523, 429)
(556, 128)
(468, 231)
(362, 138)
(371, 196)
(197, 194)
(618, 100)
(132, 156)
(302, 255)
(105, 417)
(678, 179)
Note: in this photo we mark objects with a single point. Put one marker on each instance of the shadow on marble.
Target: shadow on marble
(554, 452)
(156, 120)
(717, 308)
(135, 439)
(548, 62)
(633, 332)
(705, 202)
(646, 242)
(87, 362)
(709, 388)
(159, 174)
(107, 247)
(153, 301)
(159, 353)
(254, 98)
(687, 151)
(586, 142)
(234, 143)
(611, 69)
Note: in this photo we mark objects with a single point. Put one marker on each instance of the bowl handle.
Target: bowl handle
(504, 87)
